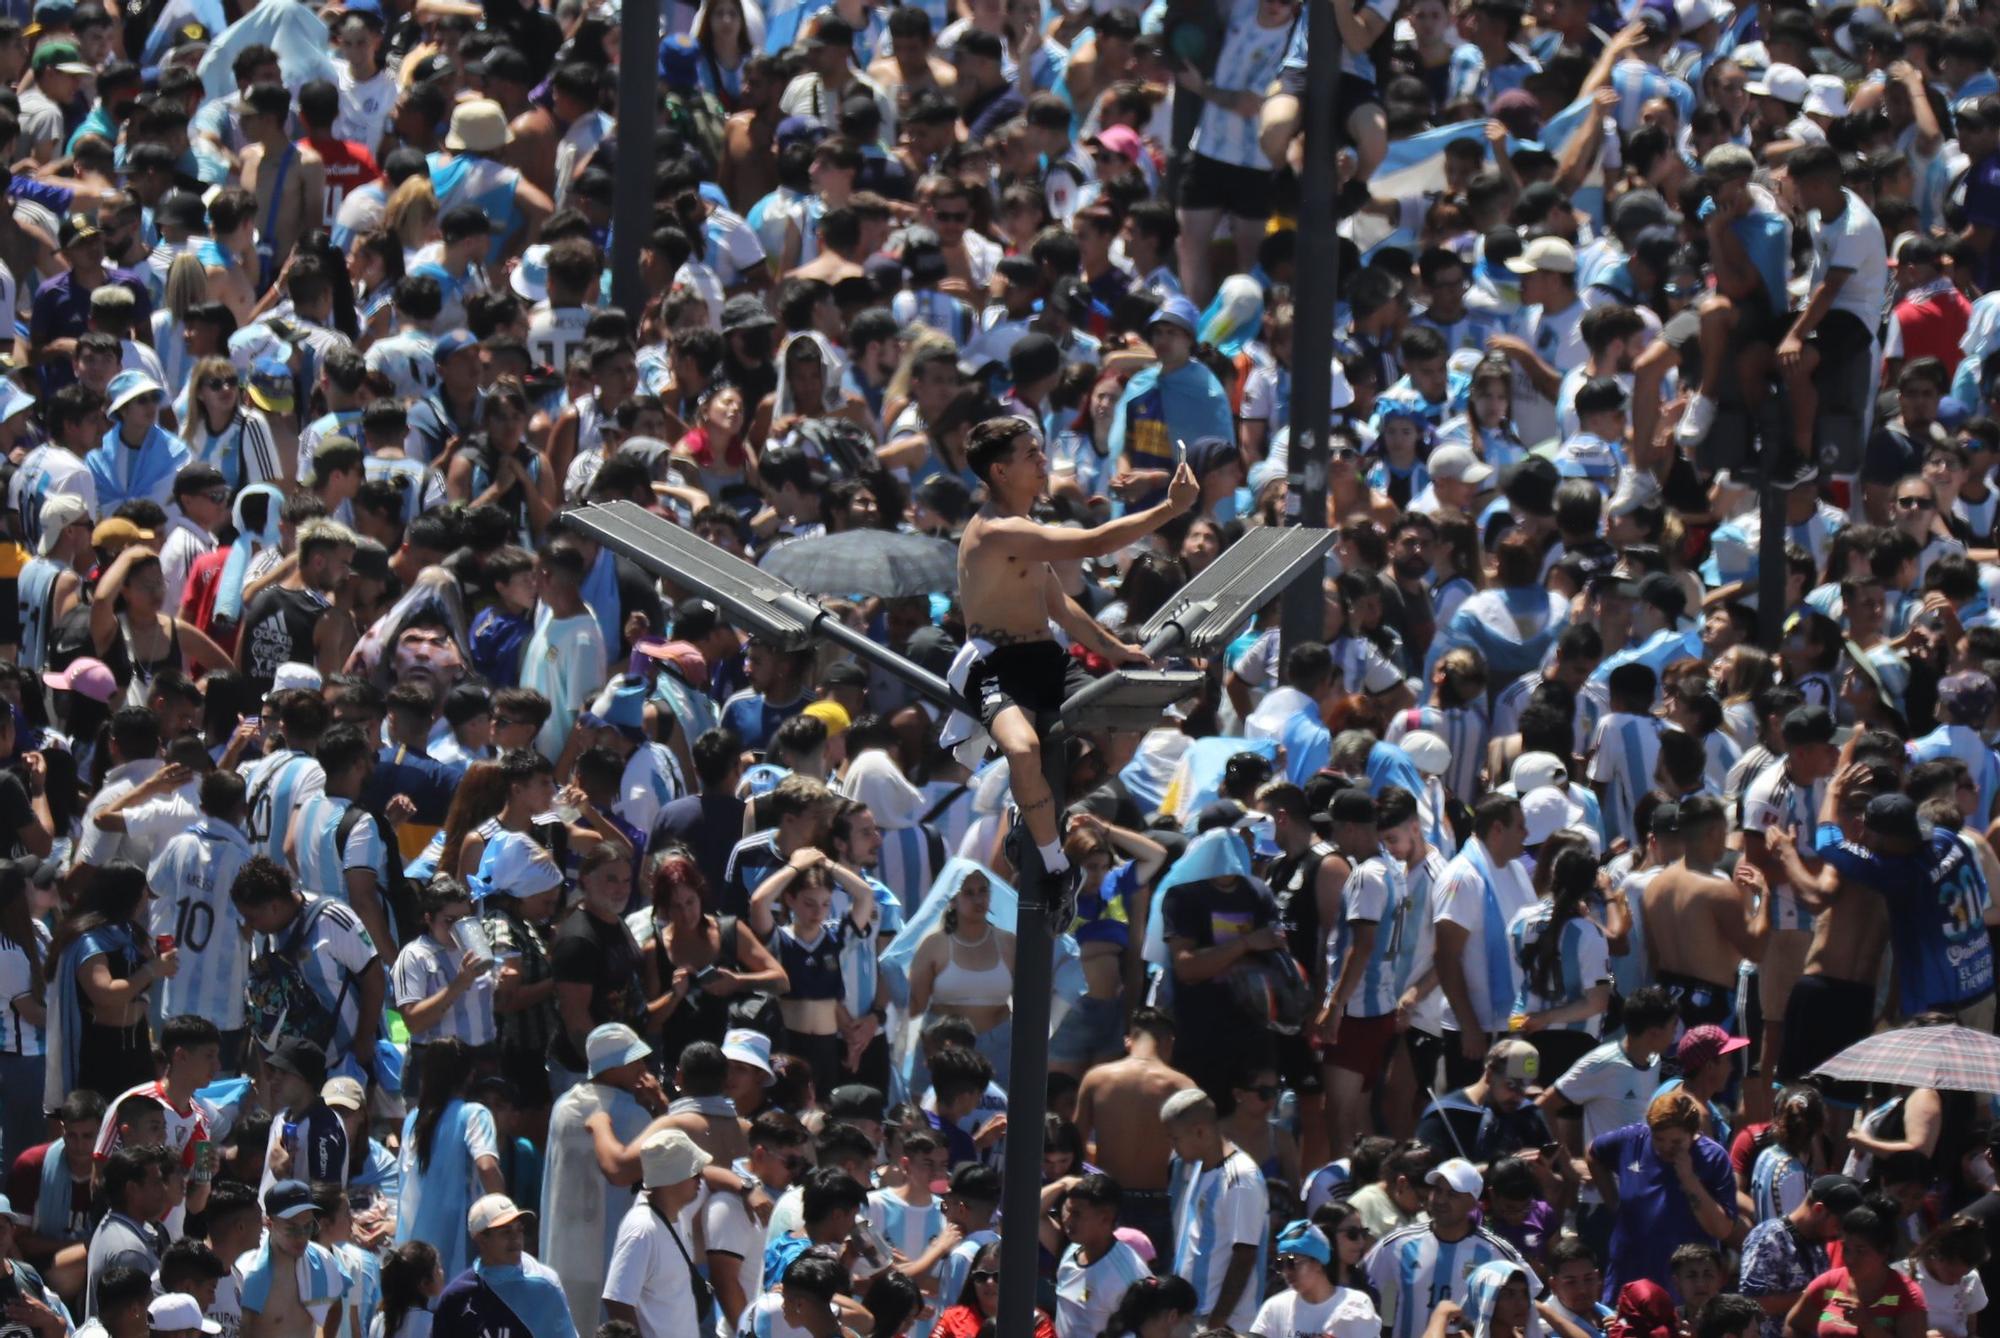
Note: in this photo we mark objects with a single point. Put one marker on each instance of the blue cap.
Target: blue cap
(1950, 413)
(128, 386)
(516, 865)
(679, 60)
(13, 400)
(455, 341)
(799, 130)
(367, 9)
(626, 709)
(1304, 1239)
(289, 1198)
(1177, 310)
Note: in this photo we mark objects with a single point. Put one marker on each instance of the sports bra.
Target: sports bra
(962, 987)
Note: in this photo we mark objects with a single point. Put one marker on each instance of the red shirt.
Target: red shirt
(347, 165)
(1842, 1315)
(1932, 319)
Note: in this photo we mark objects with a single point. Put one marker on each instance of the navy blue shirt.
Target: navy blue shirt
(1937, 903)
(428, 782)
(62, 311)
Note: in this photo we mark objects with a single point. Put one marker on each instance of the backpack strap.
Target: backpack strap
(936, 810)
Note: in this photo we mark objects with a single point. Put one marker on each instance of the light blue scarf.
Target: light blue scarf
(122, 473)
(320, 1280)
(52, 1204)
(600, 592)
(65, 1048)
(229, 592)
(535, 1300)
(1499, 964)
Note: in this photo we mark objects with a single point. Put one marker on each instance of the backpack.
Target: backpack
(281, 1000)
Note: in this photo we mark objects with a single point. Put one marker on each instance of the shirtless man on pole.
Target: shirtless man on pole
(1833, 1004)
(1118, 1117)
(1697, 922)
(1012, 668)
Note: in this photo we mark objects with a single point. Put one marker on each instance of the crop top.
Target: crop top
(813, 969)
(963, 987)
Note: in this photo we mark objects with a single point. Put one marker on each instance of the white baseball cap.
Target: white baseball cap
(1545, 255)
(1459, 463)
(1826, 96)
(1546, 812)
(1786, 83)
(670, 1157)
(177, 1311)
(1458, 1173)
(1532, 771)
(1430, 752)
(292, 675)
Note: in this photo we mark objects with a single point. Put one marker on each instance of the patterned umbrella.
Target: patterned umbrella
(866, 562)
(1948, 1058)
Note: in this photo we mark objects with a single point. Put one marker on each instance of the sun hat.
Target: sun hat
(478, 125)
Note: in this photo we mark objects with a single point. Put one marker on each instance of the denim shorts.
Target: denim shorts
(1093, 1029)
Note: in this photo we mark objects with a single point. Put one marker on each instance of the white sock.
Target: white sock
(1052, 857)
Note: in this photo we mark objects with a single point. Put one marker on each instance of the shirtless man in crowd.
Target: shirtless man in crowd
(1118, 1116)
(1697, 920)
(1012, 668)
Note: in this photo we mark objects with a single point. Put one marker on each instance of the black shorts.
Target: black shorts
(1354, 94)
(1841, 336)
(1299, 1064)
(1823, 1016)
(1037, 676)
(1243, 192)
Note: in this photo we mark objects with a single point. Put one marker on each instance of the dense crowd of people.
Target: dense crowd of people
(418, 918)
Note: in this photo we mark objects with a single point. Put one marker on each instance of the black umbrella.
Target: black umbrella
(888, 563)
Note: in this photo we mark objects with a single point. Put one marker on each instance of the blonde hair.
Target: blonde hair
(924, 339)
(207, 367)
(187, 284)
(411, 212)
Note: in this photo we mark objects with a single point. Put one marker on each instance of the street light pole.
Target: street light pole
(638, 116)
(1312, 319)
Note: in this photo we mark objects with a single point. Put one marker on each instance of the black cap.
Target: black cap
(1018, 269)
(183, 209)
(695, 618)
(1033, 358)
(1663, 592)
(1837, 1193)
(289, 1198)
(844, 674)
(300, 1058)
(1355, 806)
(1808, 724)
(1600, 394)
(198, 477)
(1893, 815)
(745, 312)
(1072, 298)
(1666, 819)
(931, 648)
(1218, 813)
(856, 1101)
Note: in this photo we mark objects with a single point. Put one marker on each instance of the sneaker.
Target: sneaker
(1698, 419)
(1062, 898)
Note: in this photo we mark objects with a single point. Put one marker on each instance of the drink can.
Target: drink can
(163, 944)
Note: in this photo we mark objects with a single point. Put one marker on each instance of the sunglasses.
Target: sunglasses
(797, 1165)
(954, 216)
(1914, 503)
(1289, 1261)
(982, 1276)
(507, 721)
(221, 383)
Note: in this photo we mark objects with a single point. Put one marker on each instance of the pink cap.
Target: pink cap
(91, 678)
(1122, 140)
(1138, 1240)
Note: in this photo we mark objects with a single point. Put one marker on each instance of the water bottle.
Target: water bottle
(470, 936)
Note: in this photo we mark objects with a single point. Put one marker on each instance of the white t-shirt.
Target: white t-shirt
(728, 1228)
(1853, 242)
(648, 1273)
(1557, 339)
(1348, 1313)
(1086, 1295)
(1952, 1310)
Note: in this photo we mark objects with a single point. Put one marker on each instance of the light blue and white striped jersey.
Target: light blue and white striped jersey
(363, 1271)
(1412, 1270)
(1470, 330)
(1778, 1182)
(423, 968)
(1216, 1209)
(905, 866)
(906, 1227)
(191, 878)
(1632, 971)
(1087, 1294)
(1352, 61)
(1465, 733)
(1468, 75)
(322, 868)
(1638, 83)
(1513, 698)
(1378, 893)
(18, 1036)
(942, 312)
(1585, 455)
(1586, 962)
(1722, 754)
(860, 957)
(1250, 60)
(1774, 799)
(1622, 757)
(764, 1317)
(277, 786)
(35, 592)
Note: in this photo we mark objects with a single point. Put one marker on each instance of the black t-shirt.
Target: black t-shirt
(1207, 914)
(707, 825)
(586, 950)
(16, 812)
(1892, 454)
